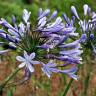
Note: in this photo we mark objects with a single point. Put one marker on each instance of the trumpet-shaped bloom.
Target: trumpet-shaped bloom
(26, 15)
(73, 9)
(50, 68)
(27, 61)
(85, 7)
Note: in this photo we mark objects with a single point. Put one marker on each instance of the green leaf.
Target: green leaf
(10, 92)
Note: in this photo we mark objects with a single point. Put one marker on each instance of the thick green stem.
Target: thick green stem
(67, 87)
(3, 84)
(87, 79)
(86, 84)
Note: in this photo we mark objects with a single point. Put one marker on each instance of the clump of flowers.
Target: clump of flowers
(46, 42)
(87, 26)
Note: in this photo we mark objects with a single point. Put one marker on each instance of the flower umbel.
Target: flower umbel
(45, 43)
(87, 26)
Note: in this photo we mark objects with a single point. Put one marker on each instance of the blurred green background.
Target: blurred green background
(9, 7)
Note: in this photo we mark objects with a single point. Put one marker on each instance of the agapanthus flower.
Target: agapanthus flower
(27, 61)
(49, 41)
(51, 67)
(87, 26)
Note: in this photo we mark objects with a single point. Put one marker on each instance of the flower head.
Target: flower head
(50, 39)
(87, 26)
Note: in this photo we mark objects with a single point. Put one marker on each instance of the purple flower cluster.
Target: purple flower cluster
(51, 40)
(87, 25)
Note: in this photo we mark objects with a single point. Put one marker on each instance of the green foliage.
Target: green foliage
(9, 7)
(10, 91)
